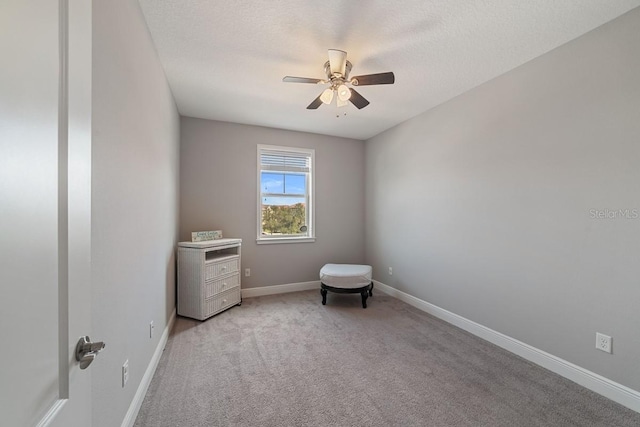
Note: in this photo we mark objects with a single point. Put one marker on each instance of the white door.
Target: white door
(45, 211)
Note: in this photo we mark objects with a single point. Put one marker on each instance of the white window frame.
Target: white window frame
(310, 190)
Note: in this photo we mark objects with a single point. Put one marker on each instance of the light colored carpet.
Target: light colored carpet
(287, 360)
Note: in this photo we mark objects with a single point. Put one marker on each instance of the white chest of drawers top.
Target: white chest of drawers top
(208, 277)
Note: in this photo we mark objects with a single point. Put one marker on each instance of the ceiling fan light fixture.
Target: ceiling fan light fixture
(337, 70)
(327, 96)
(344, 93)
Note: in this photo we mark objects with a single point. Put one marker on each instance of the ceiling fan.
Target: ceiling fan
(337, 69)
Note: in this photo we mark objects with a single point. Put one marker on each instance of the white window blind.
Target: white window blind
(284, 161)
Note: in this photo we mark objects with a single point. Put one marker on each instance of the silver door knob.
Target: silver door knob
(86, 351)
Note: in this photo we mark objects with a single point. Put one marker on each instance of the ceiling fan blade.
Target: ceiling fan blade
(337, 61)
(358, 100)
(374, 79)
(290, 79)
(315, 104)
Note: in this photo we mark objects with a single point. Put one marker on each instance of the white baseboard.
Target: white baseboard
(136, 403)
(594, 382)
(280, 289)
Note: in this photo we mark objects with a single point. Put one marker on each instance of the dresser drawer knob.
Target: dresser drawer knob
(224, 301)
(224, 285)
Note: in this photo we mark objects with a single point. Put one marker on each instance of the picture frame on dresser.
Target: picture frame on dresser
(209, 280)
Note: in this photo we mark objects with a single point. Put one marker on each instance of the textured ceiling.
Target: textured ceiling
(225, 60)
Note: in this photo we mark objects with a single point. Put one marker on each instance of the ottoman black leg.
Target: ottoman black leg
(324, 296)
(371, 289)
(364, 294)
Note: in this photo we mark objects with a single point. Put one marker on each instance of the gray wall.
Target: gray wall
(483, 204)
(135, 203)
(218, 186)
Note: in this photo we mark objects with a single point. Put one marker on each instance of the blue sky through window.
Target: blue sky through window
(282, 184)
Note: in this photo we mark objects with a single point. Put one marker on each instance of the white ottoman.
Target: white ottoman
(346, 279)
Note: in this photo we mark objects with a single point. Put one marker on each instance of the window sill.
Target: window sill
(276, 240)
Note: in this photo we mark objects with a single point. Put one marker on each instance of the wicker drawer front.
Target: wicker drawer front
(221, 301)
(215, 287)
(216, 269)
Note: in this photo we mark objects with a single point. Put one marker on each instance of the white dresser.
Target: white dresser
(208, 277)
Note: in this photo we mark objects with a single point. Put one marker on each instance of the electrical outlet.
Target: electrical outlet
(125, 372)
(247, 272)
(151, 326)
(603, 342)
(390, 271)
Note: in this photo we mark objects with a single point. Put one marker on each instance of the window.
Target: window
(285, 194)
